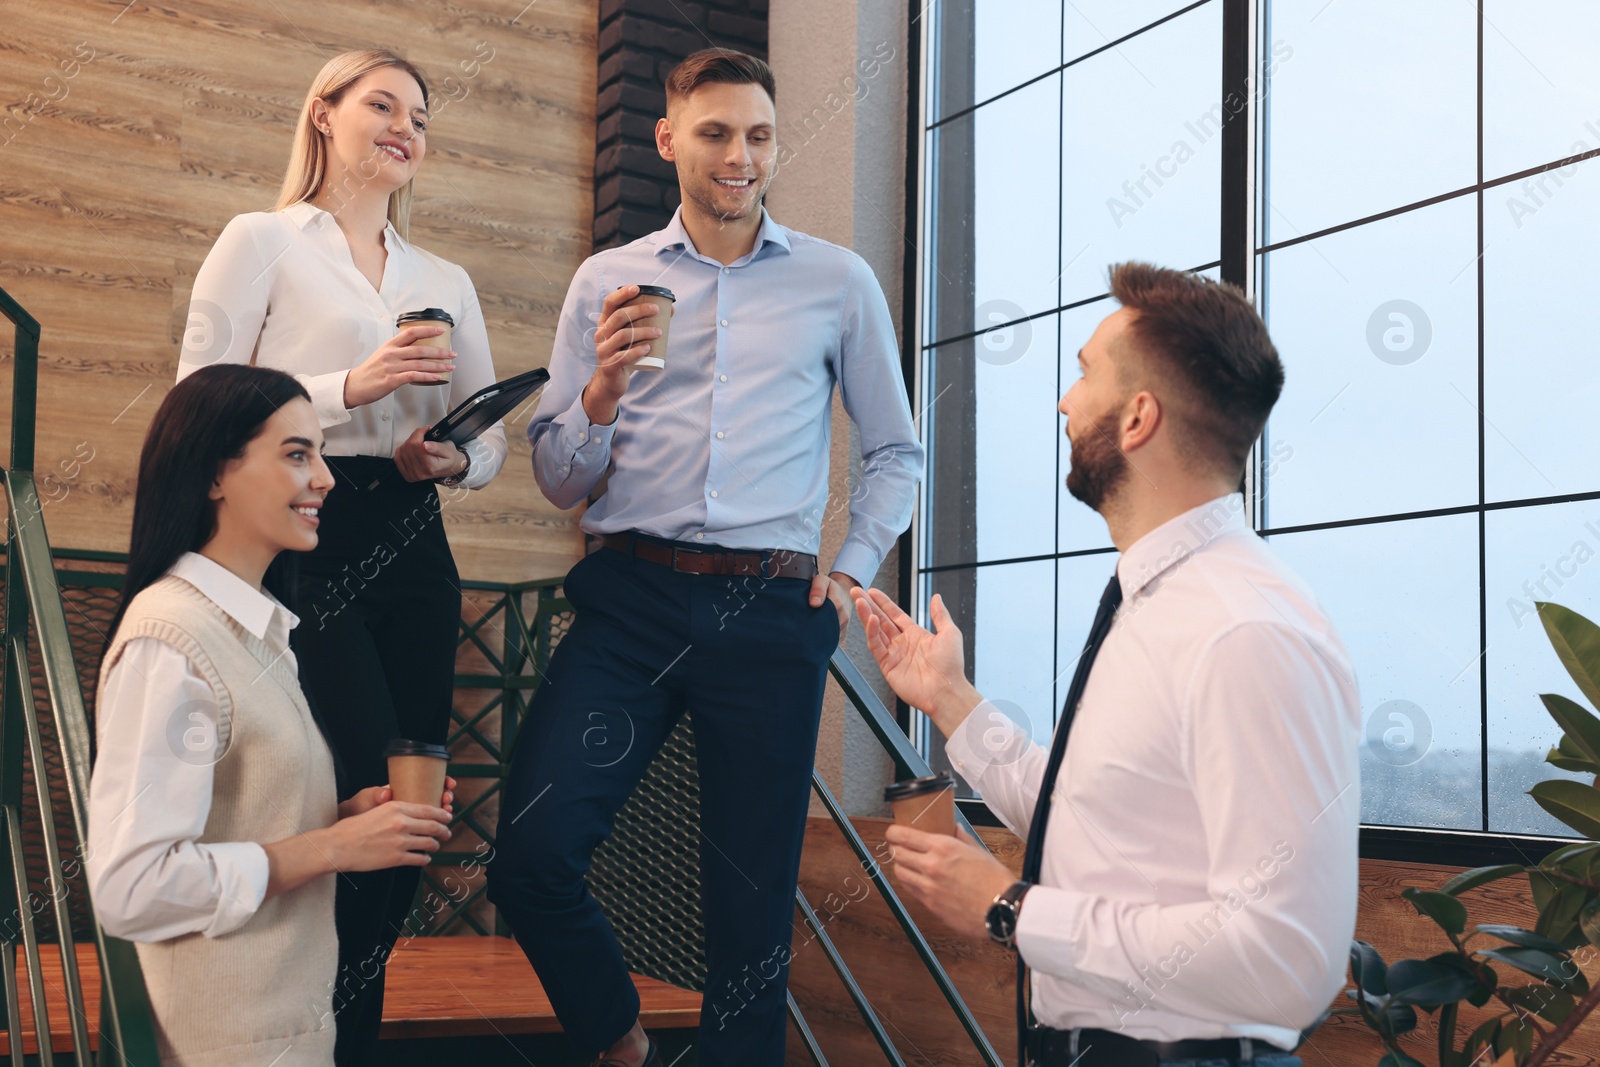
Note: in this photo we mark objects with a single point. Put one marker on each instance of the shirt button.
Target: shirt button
(583, 437)
(719, 435)
(725, 270)
(384, 416)
(722, 377)
(724, 322)
(713, 493)
(700, 537)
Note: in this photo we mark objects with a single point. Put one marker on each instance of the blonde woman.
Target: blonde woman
(315, 288)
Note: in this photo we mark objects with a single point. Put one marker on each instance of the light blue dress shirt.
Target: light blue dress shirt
(729, 445)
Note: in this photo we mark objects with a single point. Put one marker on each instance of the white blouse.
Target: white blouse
(280, 289)
(150, 876)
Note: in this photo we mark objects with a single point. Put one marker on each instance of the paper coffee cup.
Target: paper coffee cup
(661, 320)
(927, 804)
(417, 771)
(428, 317)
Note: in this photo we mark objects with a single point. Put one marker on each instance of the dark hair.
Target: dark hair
(720, 65)
(1205, 339)
(206, 420)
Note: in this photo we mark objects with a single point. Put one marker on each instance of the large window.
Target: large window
(1423, 213)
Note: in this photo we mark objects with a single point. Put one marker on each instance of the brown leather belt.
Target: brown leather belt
(772, 563)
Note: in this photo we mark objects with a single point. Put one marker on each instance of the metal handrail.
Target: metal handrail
(126, 1028)
(870, 1017)
(925, 951)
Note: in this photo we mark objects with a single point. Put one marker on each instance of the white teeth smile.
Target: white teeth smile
(309, 513)
(393, 151)
(733, 183)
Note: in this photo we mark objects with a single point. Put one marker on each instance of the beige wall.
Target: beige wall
(842, 81)
(135, 131)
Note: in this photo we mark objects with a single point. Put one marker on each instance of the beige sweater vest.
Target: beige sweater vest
(262, 994)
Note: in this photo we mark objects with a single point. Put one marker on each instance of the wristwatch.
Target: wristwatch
(1002, 916)
(461, 475)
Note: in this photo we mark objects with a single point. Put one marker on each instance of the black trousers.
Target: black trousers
(747, 659)
(380, 606)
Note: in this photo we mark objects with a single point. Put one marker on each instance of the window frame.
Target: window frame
(1244, 25)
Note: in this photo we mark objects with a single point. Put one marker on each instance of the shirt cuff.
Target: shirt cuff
(587, 434)
(986, 737)
(327, 396)
(858, 561)
(241, 871)
(1048, 915)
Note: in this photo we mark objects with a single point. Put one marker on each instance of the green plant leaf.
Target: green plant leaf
(1589, 921)
(1518, 936)
(1480, 876)
(1577, 643)
(1442, 908)
(1559, 912)
(1429, 983)
(1576, 764)
(1516, 1034)
(1559, 972)
(1552, 1005)
(1483, 1037)
(1582, 730)
(1569, 757)
(1367, 968)
(1574, 803)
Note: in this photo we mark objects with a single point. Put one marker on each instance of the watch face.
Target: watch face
(1002, 922)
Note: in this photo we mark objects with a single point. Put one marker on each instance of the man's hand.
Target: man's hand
(953, 877)
(835, 587)
(428, 461)
(926, 669)
(617, 344)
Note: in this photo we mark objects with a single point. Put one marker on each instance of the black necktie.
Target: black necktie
(1033, 858)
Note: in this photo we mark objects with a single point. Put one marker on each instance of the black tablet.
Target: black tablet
(486, 407)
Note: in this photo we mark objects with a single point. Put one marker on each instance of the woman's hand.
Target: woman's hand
(374, 795)
(401, 361)
(393, 834)
(428, 461)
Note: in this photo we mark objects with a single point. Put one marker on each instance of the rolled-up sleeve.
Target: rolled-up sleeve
(569, 452)
(149, 798)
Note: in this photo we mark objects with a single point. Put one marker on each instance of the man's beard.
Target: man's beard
(1098, 467)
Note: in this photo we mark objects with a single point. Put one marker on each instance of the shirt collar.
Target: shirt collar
(250, 607)
(1175, 540)
(304, 213)
(674, 238)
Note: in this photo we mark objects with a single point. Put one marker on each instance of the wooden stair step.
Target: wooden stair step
(436, 987)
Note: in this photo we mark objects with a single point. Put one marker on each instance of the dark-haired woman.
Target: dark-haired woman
(315, 288)
(214, 827)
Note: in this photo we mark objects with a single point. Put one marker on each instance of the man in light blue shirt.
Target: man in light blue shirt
(707, 595)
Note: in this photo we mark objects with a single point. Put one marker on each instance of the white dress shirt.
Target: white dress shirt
(150, 877)
(279, 289)
(1200, 863)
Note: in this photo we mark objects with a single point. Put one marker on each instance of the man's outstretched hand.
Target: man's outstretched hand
(927, 670)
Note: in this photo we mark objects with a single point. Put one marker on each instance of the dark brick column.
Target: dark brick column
(635, 190)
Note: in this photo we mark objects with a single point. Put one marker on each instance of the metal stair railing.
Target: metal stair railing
(908, 764)
(126, 1029)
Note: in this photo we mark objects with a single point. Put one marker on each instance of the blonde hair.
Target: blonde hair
(308, 159)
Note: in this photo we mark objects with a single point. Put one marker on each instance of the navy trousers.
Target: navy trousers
(747, 658)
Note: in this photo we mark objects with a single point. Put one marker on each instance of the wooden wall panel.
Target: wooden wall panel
(926, 1032)
(116, 180)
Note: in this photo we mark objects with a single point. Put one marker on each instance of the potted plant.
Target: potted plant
(1491, 963)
